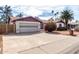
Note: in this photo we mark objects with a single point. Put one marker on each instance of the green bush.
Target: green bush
(50, 26)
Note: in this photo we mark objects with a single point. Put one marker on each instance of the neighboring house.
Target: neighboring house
(27, 24)
(74, 25)
(44, 23)
(60, 24)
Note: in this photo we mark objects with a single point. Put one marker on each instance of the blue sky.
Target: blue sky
(44, 12)
(42, 8)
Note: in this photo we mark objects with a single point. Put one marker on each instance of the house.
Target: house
(74, 25)
(27, 24)
(60, 25)
(44, 23)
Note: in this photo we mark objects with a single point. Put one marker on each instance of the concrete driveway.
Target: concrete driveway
(40, 43)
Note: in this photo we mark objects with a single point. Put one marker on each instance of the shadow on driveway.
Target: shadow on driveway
(22, 34)
(53, 32)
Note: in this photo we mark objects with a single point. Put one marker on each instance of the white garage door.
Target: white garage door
(23, 26)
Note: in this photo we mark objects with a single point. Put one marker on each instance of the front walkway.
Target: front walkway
(40, 43)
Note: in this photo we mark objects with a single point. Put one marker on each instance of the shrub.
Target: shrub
(50, 26)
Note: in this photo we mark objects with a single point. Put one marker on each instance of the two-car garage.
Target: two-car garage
(27, 24)
(22, 26)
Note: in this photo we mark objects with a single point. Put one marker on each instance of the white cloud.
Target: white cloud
(33, 12)
(41, 5)
(45, 18)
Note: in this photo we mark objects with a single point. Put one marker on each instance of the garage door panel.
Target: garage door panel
(28, 30)
(27, 27)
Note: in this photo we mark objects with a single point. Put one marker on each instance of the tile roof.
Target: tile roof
(30, 18)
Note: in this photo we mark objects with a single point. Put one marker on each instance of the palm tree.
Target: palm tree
(55, 13)
(66, 15)
(6, 13)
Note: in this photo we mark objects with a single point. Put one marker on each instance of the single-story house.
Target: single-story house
(27, 24)
(74, 25)
(60, 25)
(44, 23)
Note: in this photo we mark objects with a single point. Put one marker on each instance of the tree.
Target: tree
(66, 15)
(50, 26)
(20, 15)
(55, 13)
(6, 13)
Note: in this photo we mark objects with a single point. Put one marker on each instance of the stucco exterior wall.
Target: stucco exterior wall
(58, 25)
